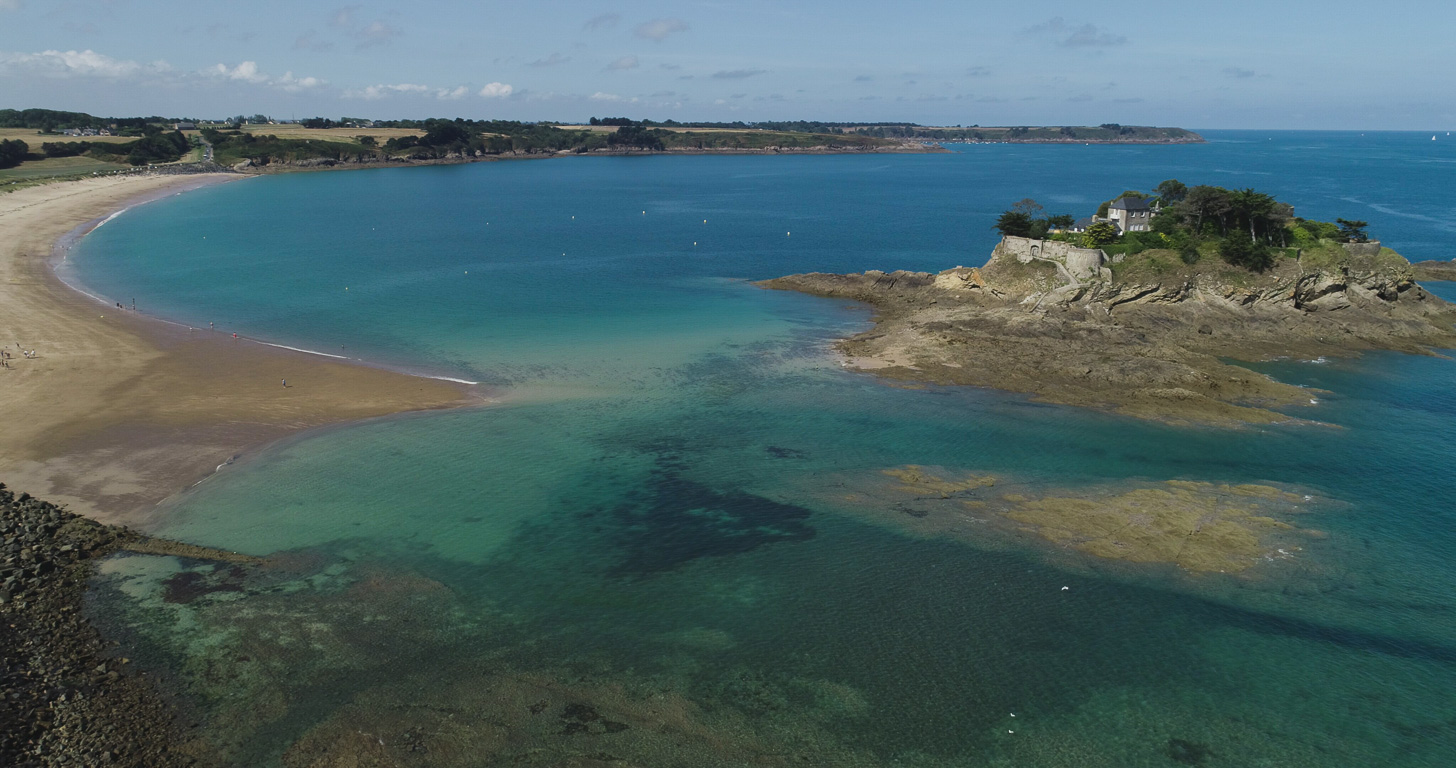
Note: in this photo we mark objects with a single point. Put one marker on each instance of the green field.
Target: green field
(57, 166)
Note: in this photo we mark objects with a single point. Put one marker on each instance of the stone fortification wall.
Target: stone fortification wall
(1371, 248)
(1081, 263)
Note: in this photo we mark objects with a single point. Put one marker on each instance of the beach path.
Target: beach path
(118, 411)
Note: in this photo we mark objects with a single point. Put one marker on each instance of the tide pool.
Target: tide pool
(673, 542)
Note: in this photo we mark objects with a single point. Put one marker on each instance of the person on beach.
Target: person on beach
(285, 383)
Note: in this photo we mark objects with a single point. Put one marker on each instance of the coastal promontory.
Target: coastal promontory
(1097, 318)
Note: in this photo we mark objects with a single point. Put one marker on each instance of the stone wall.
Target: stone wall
(1081, 263)
(1371, 248)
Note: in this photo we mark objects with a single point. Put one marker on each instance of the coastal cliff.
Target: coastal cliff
(1142, 335)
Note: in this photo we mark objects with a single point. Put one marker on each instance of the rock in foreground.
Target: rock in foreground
(65, 700)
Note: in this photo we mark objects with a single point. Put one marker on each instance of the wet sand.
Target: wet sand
(119, 411)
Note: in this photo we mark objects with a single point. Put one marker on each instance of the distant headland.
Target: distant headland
(38, 145)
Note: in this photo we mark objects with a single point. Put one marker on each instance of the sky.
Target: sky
(1301, 64)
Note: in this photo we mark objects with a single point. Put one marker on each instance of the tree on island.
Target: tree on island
(1252, 208)
(1027, 206)
(1353, 231)
(1171, 191)
(1099, 234)
(1021, 220)
(1014, 224)
(1245, 227)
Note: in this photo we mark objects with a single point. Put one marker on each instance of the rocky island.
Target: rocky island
(1089, 314)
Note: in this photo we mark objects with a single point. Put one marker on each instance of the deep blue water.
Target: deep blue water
(677, 516)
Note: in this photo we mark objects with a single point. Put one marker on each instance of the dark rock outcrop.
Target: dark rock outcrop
(65, 700)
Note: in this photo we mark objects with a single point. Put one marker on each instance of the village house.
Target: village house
(1131, 214)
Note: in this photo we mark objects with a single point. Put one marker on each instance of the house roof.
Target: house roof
(1084, 223)
(1130, 204)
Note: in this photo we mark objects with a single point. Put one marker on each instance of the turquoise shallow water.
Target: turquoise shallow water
(672, 543)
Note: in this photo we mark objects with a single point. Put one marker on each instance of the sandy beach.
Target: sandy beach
(118, 411)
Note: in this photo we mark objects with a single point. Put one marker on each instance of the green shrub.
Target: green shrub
(1242, 252)
(13, 152)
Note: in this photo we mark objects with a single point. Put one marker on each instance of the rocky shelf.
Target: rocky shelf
(65, 698)
(1144, 336)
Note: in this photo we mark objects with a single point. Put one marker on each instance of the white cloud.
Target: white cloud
(626, 62)
(375, 33)
(344, 17)
(368, 35)
(376, 92)
(736, 74)
(604, 20)
(295, 84)
(246, 71)
(1077, 36)
(386, 90)
(90, 64)
(550, 61)
(496, 90)
(599, 96)
(659, 29)
(309, 41)
(87, 63)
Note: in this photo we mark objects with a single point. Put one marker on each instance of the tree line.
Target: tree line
(51, 121)
(156, 147)
(1245, 226)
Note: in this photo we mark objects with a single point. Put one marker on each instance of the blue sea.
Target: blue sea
(670, 540)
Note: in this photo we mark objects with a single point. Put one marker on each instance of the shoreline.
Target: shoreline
(120, 410)
(58, 258)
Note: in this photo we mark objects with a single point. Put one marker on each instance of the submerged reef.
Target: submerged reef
(1196, 526)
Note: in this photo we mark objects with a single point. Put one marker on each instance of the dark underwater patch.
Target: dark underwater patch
(1188, 752)
(187, 586)
(674, 521)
